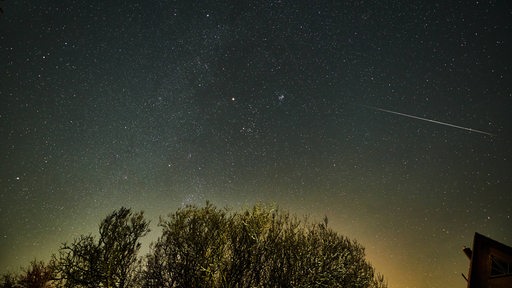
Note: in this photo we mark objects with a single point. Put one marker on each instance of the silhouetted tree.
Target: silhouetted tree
(36, 275)
(190, 251)
(109, 261)
(206, 247)
(260, 247)
(8, 280)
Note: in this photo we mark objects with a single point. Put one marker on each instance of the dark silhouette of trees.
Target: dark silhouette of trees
(109, 261)
(36, 275)
(206, 247)
(261, 247)
(190, 251)
(8, 280)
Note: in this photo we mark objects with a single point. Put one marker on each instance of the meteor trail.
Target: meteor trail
(430, 120)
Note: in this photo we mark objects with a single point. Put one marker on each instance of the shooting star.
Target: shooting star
(430, 120)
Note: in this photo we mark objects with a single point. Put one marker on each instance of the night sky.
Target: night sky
(157, 104)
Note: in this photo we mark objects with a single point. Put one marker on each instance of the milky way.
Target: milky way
(158, 104)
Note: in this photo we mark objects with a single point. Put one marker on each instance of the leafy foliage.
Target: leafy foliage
(36, 275)
(261, 247)
(206, 247)
(108, 262)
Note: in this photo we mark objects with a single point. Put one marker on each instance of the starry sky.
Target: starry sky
(158, 104)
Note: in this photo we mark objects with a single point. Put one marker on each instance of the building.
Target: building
(490, 263)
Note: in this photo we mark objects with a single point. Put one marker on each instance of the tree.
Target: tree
(36, 275)
(260, 247)
(109, 261)
(190, 251)
(8, 280)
